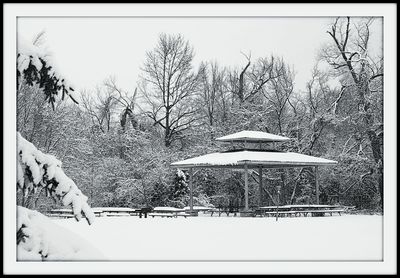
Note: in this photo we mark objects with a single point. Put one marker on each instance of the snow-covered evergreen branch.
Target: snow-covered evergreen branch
(38, 169)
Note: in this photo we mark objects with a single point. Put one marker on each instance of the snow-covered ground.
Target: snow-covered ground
(346, 237)
(42, 239)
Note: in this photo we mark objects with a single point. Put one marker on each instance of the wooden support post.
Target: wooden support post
(277, 201)
(246, 188)
(260, 184)
(191, 189)
(317, 184)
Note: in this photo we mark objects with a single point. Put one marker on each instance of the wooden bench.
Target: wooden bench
(143, 212)
(280, 213)
(322, 212)
(246, 213)
(113, 211)
(226, 211)
(115, 214)
(197, 209)
(60, 215)
(300, 210)
(170, 215)
(292, 213)
(184, 214)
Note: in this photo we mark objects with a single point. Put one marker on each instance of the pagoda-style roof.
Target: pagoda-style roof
(252, 136)
(253, 159)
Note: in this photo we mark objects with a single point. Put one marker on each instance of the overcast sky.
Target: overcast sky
(88, 50)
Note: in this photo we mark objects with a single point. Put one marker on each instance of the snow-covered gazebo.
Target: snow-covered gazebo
(252, 158)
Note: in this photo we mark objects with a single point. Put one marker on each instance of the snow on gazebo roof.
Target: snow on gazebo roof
(252, 136)
(253, 159)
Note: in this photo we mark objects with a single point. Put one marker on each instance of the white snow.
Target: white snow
(29, 52)
(249, 135)
(49, 241)
(346, 237)
(167, 209)
(254, 157)
(101, 209)
(37, 162)
(20, 175)
(198, 208)
(181, 174)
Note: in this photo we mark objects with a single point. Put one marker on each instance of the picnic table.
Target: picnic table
(114, 211)
(298, 210)
(197, 209)
(168, 212)
(120, 211)
(60, 213)
(225, 210)
(144, 211)
(101, 212)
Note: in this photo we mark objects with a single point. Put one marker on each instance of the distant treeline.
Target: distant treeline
(118, 145)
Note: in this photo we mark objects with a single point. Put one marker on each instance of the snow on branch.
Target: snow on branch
(35, 66)
(38, 169)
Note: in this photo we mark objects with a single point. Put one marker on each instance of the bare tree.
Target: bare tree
(362, 75)
(316, 105)
(252, 79)
(279, 93)
(126, 101)
(169, 84)
(100, 108)
(213, 93)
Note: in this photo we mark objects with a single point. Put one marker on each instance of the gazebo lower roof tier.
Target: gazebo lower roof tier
(252, 159)
(252, 136)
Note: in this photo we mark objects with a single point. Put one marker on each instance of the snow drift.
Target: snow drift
(40, 239)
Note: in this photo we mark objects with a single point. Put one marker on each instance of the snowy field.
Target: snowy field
(338, 238)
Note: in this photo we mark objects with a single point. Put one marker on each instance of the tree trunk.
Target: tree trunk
(293, 193)
(376, 142)
(167, 136)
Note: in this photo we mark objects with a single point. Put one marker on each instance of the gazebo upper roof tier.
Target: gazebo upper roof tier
(252, 136)
(253, 159)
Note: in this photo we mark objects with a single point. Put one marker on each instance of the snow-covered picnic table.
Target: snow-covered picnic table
(61, 213)
(226, 210)
(121, 211)
(199, 208)
(98, 211)
(298, 210)
(114, 211)
(168, 212)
